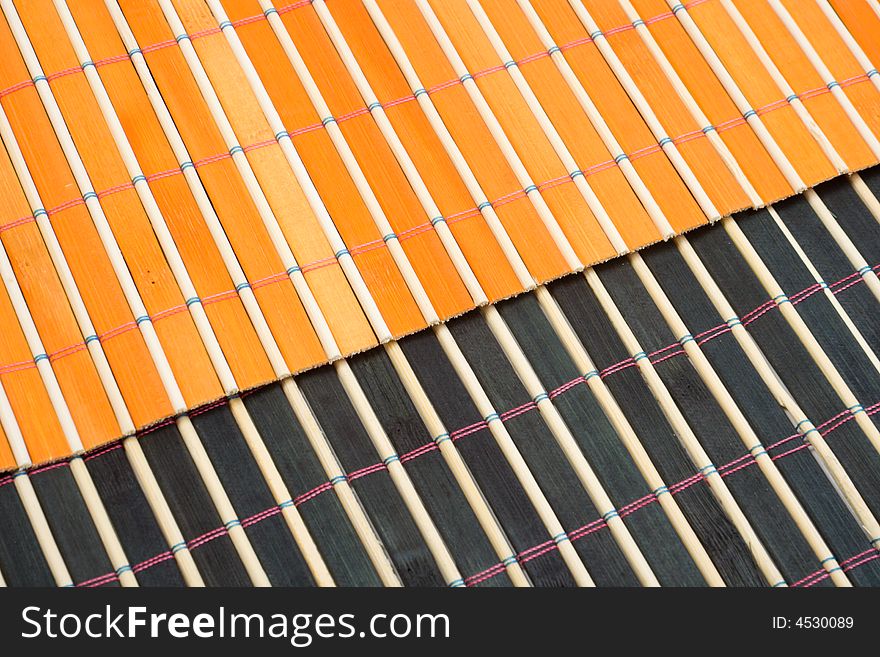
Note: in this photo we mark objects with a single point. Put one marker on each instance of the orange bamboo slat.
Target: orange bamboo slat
(863, 23)
(699, 154)
(569, 207)
(806, 82)
(124, 211)
(28, 397)
(758, 86)
(837, 57)
(429, 259)
(482, 251)
(232, 326)
(262, 265)
(53, 317)
(327, 170)
(478, 147)
(573, 124)
(622, 118)
(286, 198)
(707, 90)
(126, 351)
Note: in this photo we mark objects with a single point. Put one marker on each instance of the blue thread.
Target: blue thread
(589, 375)
(418, 92)
(89, 196)
(779, 584)
(442, 438)
(608, 515)
(832, 84)
(236, 149)
(574, 174)
(657, 492)
(86, 64)
(456, 583)
(192, 300)
(683, 340)
(338, 479)
(181, 38)
(639, 356)
(437, 220)
(864, 270)
(232, 524)
(92, 338)
(677, 8)
(41, 78)
(138, 178)
(491, 417)
(749, 113)
(341, 252)
(281, 135)
(286, 504)
(374, 105)
(292, 270)
(242, 286)
(797, 427)
(19, 473)
(708, 470)
(135, 51)
(328, 120)
(40, 212)
(185, 165)
(560, 538)
(40, 357)
(271, 10)
(733, 321)
(225, 24)
(872, 73)
(620, 158)
(388, 460)
(177, 547)
(509, 64)
(663, 141)
(638, 22)
(826, 559)
(530, 189)
(858, 408)
(482, 206)
(552, 50)
(595, 35)
(541, 396)
(143, 318)
(464, 78)
(509, 561)
(388, 237)
(123, 569)
(708, 129)
(792, 98)
(784, 298)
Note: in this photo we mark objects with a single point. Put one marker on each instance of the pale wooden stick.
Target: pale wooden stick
(525, 278)
(29, 501)
(550, 132)
(420, 400)
(829, 295)
(81, 476)
(40, 525)
(780, 393)
(784, 87)
(827, 77)
(598, 121)
(501, 139)
(194, 305)
(851, 44)
(140, 466)
(359, 400)
(730, 86)
(685, 434)
(644, 107)
(527, 375)
(751, 256)
(549, 307)
(739, 422)
(318, 441)
(111, 248)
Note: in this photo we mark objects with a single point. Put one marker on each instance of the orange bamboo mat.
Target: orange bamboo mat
(366, 168)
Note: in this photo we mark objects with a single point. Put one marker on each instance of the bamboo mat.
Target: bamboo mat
(227, 223)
